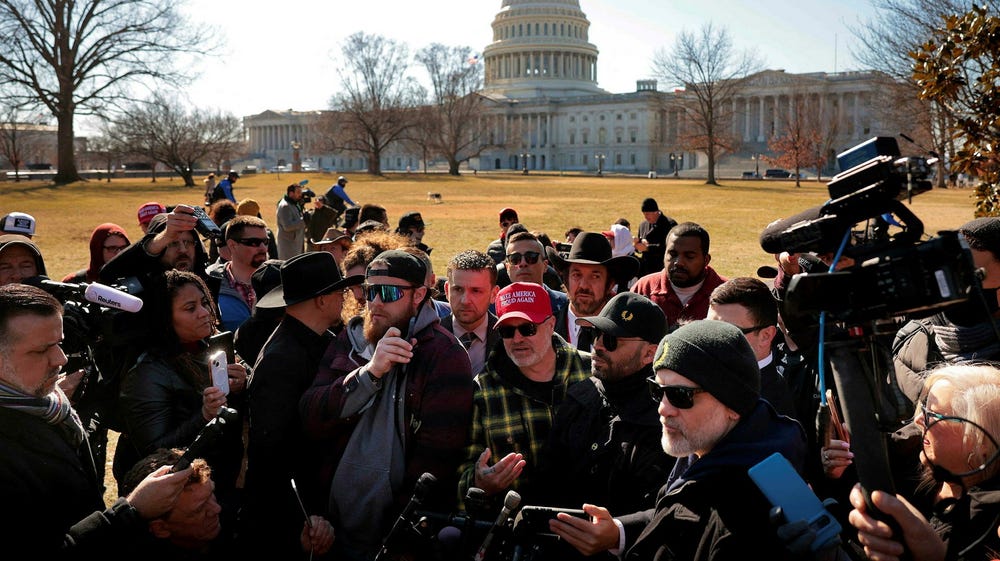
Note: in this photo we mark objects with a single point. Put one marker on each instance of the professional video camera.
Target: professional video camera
(894, 275)
(92, 315)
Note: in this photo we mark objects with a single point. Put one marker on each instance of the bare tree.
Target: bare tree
(77, 57)
(456, 107)
(180, 139)
(375, 105)
(797, 145)
(711, 72)
(14, 138)
(107, 149)
(885, 42)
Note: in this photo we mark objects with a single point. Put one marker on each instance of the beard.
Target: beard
(685, 440)
(375, 328)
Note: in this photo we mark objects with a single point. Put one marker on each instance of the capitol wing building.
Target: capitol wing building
(544, 110)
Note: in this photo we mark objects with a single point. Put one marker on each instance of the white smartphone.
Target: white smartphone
(220, 376)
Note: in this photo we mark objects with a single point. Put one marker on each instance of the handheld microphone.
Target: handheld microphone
(510, 503)
(207, 438)
(420, 491)
(96, 293)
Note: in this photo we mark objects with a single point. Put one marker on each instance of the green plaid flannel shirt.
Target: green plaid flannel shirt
(505, 418)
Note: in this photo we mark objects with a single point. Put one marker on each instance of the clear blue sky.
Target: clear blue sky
(281, 57)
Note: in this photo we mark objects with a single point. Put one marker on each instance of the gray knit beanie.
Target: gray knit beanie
(716, 356)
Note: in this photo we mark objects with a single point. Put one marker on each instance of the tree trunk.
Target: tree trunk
(711, 162)
(453, 165)
(65, 159)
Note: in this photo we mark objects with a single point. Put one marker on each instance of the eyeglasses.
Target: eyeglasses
(180, 244)
(609, 341)
(932, 417)
(531, 257)
(681, 397)
(251, 242)
(115, 248)
(389, 293)
(525, 329)
(749, 330)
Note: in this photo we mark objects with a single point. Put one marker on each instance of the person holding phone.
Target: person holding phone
(956, 516)
(168, 396)
(707, 387)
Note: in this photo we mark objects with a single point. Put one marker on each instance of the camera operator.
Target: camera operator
(962, 332)
(52, 505)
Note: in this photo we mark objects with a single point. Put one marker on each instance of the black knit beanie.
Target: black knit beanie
(983, 233)
(716, 356)
(649, 205)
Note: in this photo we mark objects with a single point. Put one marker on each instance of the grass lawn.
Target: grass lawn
(733, 213)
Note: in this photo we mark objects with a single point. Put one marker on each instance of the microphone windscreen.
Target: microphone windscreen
(512, 500)
(112, 298)
(450, 539)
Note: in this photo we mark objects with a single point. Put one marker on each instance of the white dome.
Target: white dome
(541, 49)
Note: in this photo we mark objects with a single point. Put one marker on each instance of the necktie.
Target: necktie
(467, 339)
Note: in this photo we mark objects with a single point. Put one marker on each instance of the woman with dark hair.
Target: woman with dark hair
(106, 241)
(168, 396)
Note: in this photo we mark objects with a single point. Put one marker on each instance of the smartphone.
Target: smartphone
(220, 376)
(534, 520)
(223, 341)
(835, 419)
(782, 485)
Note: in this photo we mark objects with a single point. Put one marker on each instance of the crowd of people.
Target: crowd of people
(618, 379)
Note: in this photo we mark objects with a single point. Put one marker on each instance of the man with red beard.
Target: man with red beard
(246, 238)
(392, 401)
(518, 393)
(592, 275)
(684, 287)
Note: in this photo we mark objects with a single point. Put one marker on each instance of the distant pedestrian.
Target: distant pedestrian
(209, 188)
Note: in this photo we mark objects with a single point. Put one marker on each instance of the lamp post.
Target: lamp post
(673, 163)
(756, 165)
(524, 163)
(600, 164)
(296, 158)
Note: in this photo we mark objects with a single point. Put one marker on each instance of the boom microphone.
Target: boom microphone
(96, 293)
(420, 491)
(510, 503)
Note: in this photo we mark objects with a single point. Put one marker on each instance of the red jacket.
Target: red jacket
(656, 287)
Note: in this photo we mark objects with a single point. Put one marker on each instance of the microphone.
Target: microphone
(96, 293)
(510, 503)
(420, 491)
(809, 230)
(450, 541)
(207, 438)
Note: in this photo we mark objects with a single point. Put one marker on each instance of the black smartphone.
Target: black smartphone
(534, 520)
(223, 342)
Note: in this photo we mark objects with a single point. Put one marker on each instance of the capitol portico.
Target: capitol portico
(544, 109)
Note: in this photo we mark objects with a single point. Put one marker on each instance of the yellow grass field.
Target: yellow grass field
(733, 213)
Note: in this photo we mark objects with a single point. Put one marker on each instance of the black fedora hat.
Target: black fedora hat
(306, 276)
(592, 248)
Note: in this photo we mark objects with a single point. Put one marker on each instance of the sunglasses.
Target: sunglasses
(525, 329)
(531, 257)
(749, 330)
(251, 242)
(609, 341)
(681, 397)
(387, 292)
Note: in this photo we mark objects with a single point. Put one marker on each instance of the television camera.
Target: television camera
(93, 318)
(892, 278)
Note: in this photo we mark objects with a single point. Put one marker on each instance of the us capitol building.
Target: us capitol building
(544, 109)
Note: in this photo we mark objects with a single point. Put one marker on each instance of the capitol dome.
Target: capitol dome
(541, 48)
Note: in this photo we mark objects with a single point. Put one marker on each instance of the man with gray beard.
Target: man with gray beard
(518, 393)
(392, 401)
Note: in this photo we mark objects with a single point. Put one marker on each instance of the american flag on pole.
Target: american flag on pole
(474, 58)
